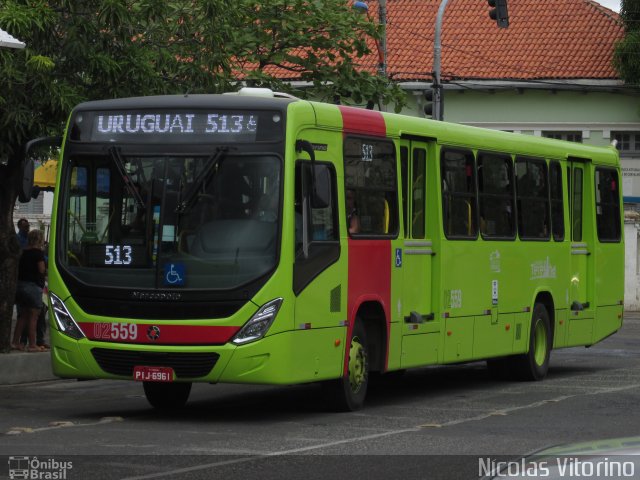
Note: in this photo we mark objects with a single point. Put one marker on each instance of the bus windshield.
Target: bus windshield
(169, 221)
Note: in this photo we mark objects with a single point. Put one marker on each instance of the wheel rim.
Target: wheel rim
(540, 343)
(357, 365)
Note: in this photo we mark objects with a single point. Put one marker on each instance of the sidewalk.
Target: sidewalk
(23, 367)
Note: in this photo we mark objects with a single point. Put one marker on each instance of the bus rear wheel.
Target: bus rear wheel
(167, 396)
(348, 392)
(534, 364)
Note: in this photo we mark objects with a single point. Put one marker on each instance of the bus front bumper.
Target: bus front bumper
(284, 358)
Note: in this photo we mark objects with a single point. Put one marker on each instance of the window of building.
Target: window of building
(370, 179)
(628, 142)
(532, 198)
(458, 193)
(607, 205)
(568, 136)
(495, 185)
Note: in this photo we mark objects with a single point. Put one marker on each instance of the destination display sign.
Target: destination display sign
(182, 126)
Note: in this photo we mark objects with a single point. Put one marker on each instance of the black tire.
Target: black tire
(534, 364)
(347, 394)
(167, 396)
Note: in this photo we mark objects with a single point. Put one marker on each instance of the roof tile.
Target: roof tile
(550, 39)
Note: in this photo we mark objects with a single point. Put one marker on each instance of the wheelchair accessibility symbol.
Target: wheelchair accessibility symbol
(174, 274)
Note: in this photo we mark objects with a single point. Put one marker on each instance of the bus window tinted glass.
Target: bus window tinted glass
(458, 193)
(370, 174)
(222, 228)
(607, 205)
(322, 222)
(576, 213)
(418, 193)
(404, 172)
(557, 203)
(533, 198)
(495, 183)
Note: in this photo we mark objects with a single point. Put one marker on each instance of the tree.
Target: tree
(627, 53)
(81, 50)
(279, 37)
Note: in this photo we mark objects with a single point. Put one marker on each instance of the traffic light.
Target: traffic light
(428, 103)
(499, 12)
(434, 102)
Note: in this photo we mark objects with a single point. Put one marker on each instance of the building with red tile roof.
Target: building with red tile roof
(550, 39)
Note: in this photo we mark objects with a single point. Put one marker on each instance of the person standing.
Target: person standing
(23, 231)
(31, 274)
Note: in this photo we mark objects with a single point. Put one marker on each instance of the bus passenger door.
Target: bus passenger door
(420, 331)
(581, 306)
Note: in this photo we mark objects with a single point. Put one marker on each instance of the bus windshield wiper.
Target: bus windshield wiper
(126, 178)
(204, 177)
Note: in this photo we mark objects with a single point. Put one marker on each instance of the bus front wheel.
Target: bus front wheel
(348, 392)
(167, 396)
(534, 364)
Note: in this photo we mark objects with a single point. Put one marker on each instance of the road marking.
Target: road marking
(273, 454)
(62, 424)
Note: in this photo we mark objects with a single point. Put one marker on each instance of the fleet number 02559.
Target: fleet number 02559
(115, 331)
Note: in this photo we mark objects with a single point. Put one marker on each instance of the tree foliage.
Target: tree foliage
(627, 53)
(80, 50)
(317, 42)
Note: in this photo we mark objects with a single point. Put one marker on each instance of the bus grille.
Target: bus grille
(185, 365)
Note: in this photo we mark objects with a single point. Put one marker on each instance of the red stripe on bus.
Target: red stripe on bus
(158, 334)
(369, 279)
(362, 121)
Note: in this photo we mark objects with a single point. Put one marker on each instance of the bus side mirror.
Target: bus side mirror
(27, 191)
(321, 195)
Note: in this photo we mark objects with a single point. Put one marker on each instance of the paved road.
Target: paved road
(433, 422)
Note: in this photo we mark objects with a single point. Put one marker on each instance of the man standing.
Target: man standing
(23, 231)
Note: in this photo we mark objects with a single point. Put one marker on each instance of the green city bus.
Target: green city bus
(258, 238)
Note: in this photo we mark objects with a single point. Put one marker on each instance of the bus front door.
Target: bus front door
(420, 328)
(581, 306)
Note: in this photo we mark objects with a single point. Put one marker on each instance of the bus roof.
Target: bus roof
(455, 134)
(189, 101)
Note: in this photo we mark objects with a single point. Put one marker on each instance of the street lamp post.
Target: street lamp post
(381, 45)
(438, 93)
(382, 53)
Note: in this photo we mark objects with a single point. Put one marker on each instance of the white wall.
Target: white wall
(631, 279)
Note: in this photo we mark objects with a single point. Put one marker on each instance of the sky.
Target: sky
(612, 4)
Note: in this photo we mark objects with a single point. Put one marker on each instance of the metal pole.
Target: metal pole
(438, 93)
(382, 13)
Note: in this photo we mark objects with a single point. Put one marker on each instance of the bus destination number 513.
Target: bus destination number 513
(118, 255)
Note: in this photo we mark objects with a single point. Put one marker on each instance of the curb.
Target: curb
(22, 367)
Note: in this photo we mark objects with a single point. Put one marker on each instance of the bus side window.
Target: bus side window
(322, 223)
(495, 182)
(404, 172)
(533, 198)
(557, 201)
(370, 176)
(607, 205)
(458, 193)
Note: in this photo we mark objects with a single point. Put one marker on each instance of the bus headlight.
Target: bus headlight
(66, 323)
(259, 323)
